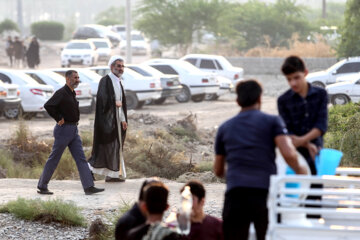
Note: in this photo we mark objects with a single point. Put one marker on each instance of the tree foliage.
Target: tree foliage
(350, 42)
(174, 22)
(8, 25)
(48, 30)
(111, 16)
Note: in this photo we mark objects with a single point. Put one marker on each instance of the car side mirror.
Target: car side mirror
(334, 72)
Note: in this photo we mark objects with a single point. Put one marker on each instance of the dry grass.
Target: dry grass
(319, 48)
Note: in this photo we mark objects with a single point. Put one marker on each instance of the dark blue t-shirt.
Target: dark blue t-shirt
(248, 143)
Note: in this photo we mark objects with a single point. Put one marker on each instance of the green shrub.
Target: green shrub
(344, 132)
(45, 211)
(8, 25)
(48, 30)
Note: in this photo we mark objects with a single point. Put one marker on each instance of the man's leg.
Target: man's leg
(77, 152)
(260, 215)
(58, 148)
(236, 215)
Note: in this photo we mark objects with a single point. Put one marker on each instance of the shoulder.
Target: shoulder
(285, 96)
(320, 91)
(138, 232)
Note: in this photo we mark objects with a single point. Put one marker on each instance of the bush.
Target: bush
(8, 25)
(344, 132)
(45, 211)
(48, 30)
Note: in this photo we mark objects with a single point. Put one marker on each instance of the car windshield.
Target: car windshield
(55, 77)
(101, 44)
(137, 37)
(188, 67)
(73, 45)
(335, 66)
(150, 70)
(224, 62)
(25, 78)
(94, 77)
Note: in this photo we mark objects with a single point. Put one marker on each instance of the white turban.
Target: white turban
(113, 59)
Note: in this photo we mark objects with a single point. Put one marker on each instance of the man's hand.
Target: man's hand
(61, 122)
(118, 104)
(298, 141)
(301, 170)
(313, 150)
(124, 125)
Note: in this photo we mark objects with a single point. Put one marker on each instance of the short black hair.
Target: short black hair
(156, 195)
(144, 184)
(69, 73)
(293, 64)
(248, 92)
(196, 189)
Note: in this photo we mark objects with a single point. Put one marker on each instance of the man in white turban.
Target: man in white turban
(110, 125)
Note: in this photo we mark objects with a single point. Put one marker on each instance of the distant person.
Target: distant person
(64, 109)
(110, 125)
(203, 226)
(246, 144)
(32, 54)
(135, 216)
(9, 47)
(156, 196)
(18, 51)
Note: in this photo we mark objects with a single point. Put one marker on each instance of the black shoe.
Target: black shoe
(44, 191)
(109, 179)
(92, 190)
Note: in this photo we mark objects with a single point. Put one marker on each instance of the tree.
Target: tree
(174, 22)
(111, 16)
(8, 25)
(350, 42)
(257, 21)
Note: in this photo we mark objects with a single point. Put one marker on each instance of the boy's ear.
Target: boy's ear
(306, 72)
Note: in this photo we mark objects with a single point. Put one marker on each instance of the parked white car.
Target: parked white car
(10, 102)
(79, 52)
(83, 91)
(33, 95)
(138, 88)
(338, 70)
(345, 90)
(103, 48)
(86, 76)
(196, 83)
(139, 46)
(170, 84)
(216, 64)
(225, 87)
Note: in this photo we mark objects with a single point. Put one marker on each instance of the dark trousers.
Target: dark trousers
(66, 136)
(243, 206)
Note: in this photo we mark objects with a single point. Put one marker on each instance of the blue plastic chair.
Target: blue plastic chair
(327, 161)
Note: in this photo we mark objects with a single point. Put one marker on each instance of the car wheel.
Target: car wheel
(198, 98)
(318, 84)
(12, 113)
(131, 100)
(340, 99)
(160, 100)
(211, 97)
(184, 96)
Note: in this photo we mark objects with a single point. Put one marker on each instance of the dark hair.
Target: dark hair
(69, 73)
(144, 184)
(293, 64)
(248, 92)
(196, 189)
(156, 195)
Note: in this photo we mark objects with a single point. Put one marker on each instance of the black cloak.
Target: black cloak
(106, 144)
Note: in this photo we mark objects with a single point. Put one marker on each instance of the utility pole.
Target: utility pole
(20, 17)
(128, 31)
(323, 8)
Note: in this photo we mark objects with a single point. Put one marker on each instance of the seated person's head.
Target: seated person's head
(295, 72)
(198, 193)
(248, 93)
(144, 184)
(156, 195)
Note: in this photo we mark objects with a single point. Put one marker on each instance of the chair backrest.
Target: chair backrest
(340, 208)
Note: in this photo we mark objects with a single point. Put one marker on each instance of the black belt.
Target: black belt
(72, 123)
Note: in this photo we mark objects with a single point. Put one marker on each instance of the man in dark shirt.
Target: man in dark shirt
(64, 108)
(247, 143)
(304, 109)
(156, 195)
(135, 216)
(203, 226)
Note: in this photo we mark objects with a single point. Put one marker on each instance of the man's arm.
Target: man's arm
(219, 165)
(302, 141)
(288, 151)
(52, 106)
